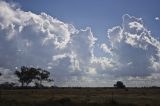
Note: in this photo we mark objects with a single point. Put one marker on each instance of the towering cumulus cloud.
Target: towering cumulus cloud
(43, 41)
(136, 51)
(40, 40)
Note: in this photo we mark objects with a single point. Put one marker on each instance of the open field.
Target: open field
(81, 97)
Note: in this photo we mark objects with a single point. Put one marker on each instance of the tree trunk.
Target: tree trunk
(22, 84)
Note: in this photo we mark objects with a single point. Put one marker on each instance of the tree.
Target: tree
(22, 75)
(119, 84)
(43, 75)
(26, 75)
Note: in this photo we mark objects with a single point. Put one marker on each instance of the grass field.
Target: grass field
(81, 97)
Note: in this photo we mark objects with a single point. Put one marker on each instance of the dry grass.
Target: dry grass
(80, 97)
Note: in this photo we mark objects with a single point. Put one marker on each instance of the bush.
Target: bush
(7, 85)
(119, 84)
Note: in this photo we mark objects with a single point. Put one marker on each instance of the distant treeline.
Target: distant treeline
(37, 76)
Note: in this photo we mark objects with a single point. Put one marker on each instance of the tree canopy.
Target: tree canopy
(26, 75)
(119, 84)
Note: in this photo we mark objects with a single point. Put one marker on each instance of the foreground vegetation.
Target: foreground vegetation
(40, 95)
(81, 97)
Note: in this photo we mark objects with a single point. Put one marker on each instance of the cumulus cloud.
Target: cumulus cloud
(40, 40)
(106, 49)
(135, 50)
(7, 76)
(157, 18)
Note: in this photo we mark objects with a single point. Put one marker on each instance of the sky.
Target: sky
(100, 15)
(82, 42)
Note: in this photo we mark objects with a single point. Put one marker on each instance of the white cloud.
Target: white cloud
(133, 43)
(41, 40)
(155, 63)
(114, 35)
(136, 25)
(70, 54)
(106, 49)
(103, 63)
(157, 18)
(7, 76)
(91, 71)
